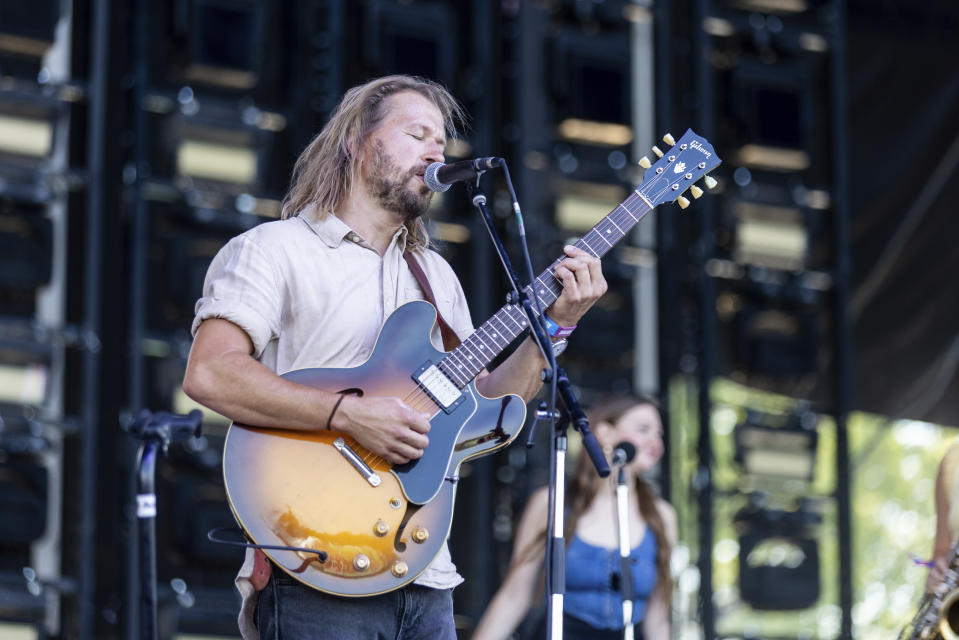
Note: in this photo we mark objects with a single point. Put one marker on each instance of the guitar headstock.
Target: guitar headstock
(686, 161)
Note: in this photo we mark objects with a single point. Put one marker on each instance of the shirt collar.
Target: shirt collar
(333, 231)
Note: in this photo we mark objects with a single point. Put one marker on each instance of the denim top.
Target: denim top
(592, 582)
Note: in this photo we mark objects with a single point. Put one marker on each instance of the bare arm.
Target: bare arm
(943, 539)
(222, 374)
(512, 601)
(656, 622)
(583, 284)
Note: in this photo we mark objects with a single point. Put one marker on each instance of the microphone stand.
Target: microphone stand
(157, 431)
(625, 575)
(555, 558)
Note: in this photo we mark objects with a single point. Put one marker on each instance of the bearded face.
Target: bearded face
(395, 189)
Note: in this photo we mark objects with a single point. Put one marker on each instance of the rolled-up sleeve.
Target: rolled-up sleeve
(241, 286)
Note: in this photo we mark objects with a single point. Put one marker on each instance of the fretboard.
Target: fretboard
(465, 362)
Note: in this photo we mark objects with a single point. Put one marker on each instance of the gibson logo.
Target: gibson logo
(695, 144)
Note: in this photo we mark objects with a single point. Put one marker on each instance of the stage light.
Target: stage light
(772, 6)
(590, 85)
(23, 384)
(777, 340)
(580, 205)
(28, 28)
(769, 236)
(27, 129)
(25, 364)
(26, 247)
(411, 38)
(220, 161)
(224, 43)
(773, 158)
(592, 132)
(786, 450)
(180, 252)
(449, 232)
(23, 136)
(23, 484)
(778, 557)
(774, 101)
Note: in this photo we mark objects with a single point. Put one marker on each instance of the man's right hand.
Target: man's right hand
(385, 426)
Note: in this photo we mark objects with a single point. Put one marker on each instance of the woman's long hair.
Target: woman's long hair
(325, 171)
(586, 483)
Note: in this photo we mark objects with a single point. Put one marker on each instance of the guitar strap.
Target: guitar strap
(450, 339)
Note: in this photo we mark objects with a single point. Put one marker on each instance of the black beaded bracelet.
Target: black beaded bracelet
(336, 406)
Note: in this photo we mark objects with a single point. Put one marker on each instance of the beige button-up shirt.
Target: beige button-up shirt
(310, 292)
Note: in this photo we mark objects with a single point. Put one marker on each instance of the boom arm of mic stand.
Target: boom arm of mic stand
(581, 423)
(479, 201)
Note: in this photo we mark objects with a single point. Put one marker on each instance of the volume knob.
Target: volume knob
(361, 562)
(420, 535)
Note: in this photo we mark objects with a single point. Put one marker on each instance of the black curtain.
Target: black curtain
(903, 85)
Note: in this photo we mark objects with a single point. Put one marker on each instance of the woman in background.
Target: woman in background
(592, 604)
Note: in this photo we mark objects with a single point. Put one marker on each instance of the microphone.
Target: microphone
(439, 177)
(623, 453)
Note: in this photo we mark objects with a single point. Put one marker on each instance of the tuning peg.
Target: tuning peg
(668, 139)
(682, 202)
(695, 191)
(659, 154)
(645, 163)
(710, 182)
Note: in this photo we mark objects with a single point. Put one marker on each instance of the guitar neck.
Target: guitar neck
(464, 363)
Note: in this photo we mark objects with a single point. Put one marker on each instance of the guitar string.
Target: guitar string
(415, 400)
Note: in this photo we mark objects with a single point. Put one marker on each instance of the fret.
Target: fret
(482, 333)
(449, 369)
(505, 328)
(608, 243)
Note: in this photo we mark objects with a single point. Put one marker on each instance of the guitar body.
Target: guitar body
(300, 489)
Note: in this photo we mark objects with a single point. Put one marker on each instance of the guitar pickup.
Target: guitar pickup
(438, 386)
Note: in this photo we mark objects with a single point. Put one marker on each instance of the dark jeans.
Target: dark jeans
(287, 610)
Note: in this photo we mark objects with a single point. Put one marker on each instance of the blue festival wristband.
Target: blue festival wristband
(556, 331)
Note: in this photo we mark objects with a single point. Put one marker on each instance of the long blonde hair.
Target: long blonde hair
(325, 171)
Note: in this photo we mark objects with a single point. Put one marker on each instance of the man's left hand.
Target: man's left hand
(583, 284)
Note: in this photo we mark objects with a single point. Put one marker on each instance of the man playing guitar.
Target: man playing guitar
(312, 291)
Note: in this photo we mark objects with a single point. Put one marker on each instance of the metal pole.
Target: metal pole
(96, 139)
(137, 290)
(146, 519)
(842, 342)
(558, 548)
(625, 574)
(702, 482)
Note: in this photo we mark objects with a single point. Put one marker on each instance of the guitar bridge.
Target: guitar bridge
(437, 386)
(357, 462)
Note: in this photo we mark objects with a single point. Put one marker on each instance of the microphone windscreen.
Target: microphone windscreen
(432, 180)
(623, 453)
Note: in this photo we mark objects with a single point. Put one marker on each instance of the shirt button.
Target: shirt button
(353, 237)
